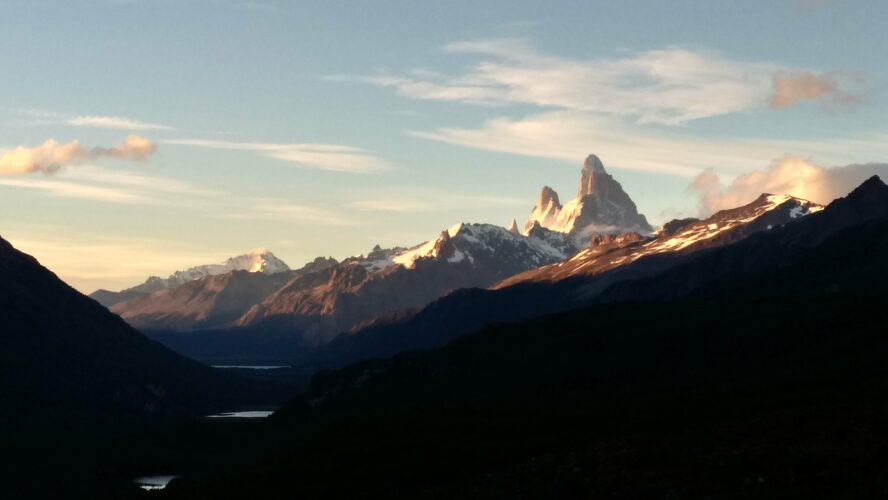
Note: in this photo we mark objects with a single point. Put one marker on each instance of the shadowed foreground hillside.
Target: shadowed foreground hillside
(618, 400)
(73, 374)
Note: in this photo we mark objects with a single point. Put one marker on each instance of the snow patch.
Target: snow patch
(471, 240)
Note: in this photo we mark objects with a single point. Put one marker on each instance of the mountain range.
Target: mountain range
(469, 276)
(259, 260)
(573, 283)
(329, 313)
(325, 298)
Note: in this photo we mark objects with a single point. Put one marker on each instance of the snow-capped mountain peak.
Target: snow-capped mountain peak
(258, 260)
(468, 242)
(601, 206)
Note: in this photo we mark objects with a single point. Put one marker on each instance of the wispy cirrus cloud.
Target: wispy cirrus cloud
(114, 122)
(282, 210)
(52, 156)
(331, 157)
(102, 185)
(671, 86)
(566, 136)
(66, 189)
(35, 116)
(141, 182)
(94, 183)
(391, 205)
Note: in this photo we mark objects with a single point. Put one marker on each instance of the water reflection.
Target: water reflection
(154, 482)
(252, 367)
(242, 414)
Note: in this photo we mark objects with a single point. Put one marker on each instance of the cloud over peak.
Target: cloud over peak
(51, 156)
(791, 175)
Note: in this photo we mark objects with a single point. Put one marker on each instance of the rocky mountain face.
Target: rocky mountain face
(209, 302)
(821, 254)
(326, 298)
(608, 252)
(259, 260)
(66, 358)
(213, 301)
(313, 308)
(600, 207)
(327, 303)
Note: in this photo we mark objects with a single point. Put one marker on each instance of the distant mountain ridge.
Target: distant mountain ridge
(259, 260)
(335, 300)
(314, 308)
(208, 302)
(326, 298)
(213, 301)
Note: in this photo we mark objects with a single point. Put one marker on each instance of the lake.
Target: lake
(154, 482)
(252, 367)
(243, 414)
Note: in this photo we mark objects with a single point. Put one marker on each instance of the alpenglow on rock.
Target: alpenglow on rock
(259, 260)
(601, 207)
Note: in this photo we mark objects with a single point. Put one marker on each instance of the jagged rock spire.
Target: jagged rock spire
(601, 206)
(592, 169)
(548, 197)
(513, 227)
(444, 247)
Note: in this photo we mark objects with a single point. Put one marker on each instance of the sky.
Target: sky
(138, 137)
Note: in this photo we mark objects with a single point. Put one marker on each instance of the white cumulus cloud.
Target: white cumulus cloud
(791, 175)
(51, 156)
(792, 88)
